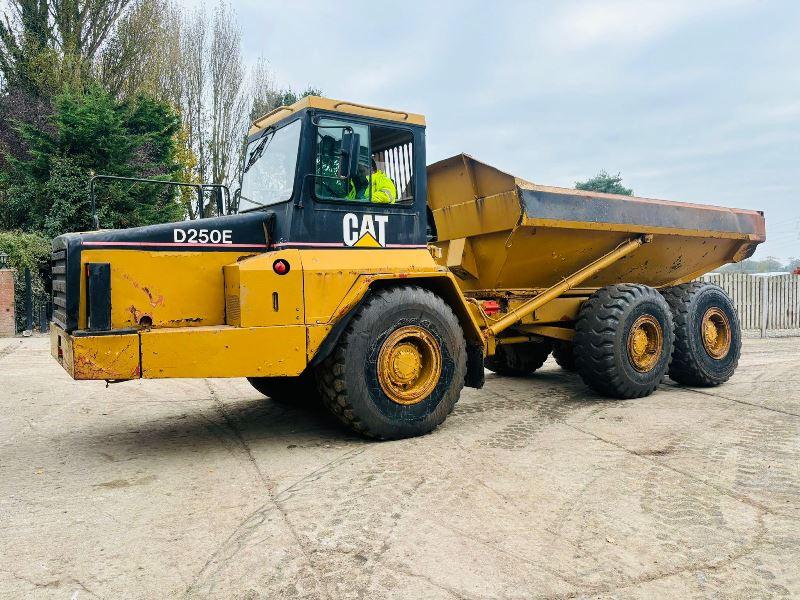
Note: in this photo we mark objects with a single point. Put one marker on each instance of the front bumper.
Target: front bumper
(110, 357)
(218, 351)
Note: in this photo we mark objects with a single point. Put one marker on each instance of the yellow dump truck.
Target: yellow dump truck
(353, 273)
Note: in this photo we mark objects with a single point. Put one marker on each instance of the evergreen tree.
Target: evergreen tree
(603, 182)
(92, 133)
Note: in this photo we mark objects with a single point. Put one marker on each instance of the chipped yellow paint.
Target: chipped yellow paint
(315, 336)
(112, 357)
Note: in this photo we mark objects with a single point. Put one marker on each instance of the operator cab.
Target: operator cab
(337, 174)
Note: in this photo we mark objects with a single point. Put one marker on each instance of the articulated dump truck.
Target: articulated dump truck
(354, 274)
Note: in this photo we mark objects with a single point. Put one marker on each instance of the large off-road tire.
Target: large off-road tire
(288, 390)
(518, 360)
(624, 340)
(708, 337)
(564, 354)
(399, 366)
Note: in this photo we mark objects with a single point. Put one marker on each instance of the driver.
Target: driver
(383, 188)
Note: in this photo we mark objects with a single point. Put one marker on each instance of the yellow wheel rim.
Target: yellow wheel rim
(409, 365)
(645, 339)
(716, 331)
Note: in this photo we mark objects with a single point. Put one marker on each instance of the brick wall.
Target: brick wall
(7, 324)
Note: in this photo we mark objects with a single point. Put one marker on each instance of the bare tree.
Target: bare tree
(228, 107)
(80, 28)
(46, 43)
(194, 65)
(144, 53)
(266, 95)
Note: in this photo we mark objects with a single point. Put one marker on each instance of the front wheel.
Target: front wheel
(708, 337)
(623, 340)
(398, 368)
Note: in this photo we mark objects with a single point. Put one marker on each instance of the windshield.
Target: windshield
(270, 163)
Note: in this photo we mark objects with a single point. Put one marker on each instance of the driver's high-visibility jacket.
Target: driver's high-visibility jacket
(383, 190)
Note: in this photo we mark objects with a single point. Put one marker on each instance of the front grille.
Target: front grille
(58, 264)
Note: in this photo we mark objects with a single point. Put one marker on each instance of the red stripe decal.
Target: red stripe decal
(175, 244)
(341, 245)
(311, 244)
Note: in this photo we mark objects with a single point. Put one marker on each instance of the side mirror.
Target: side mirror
(348, 155)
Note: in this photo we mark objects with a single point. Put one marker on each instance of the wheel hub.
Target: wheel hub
(409, 365)
(716, 332)
(645, 340)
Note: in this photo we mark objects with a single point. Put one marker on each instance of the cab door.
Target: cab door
(381, 204)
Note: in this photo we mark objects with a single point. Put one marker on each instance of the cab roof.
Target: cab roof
(341, 106)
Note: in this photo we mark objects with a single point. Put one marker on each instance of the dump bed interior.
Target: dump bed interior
(498, 231)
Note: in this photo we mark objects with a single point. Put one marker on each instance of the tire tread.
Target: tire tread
(330, 373)
(683, 369)
(595, 330)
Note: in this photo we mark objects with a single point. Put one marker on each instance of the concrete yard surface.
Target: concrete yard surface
(533, 487)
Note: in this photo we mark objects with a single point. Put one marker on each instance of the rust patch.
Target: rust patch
(138, 315)
(154, 301)
(186, 321)
(91, 364)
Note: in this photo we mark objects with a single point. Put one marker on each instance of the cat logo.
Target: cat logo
(369, 233)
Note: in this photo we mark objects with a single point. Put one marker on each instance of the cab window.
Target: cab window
(270, 166)
(385, 159)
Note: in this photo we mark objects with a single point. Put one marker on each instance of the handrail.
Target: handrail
(375, 108)
(200, 187)
(274, 111)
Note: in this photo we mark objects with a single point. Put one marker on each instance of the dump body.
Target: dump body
(500, 232)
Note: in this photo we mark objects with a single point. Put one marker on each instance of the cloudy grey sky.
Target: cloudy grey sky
(696, 100)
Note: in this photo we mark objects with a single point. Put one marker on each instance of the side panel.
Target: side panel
(174, 289)
(223, 352)
(265, 297)
(329, 276)
(336, 281)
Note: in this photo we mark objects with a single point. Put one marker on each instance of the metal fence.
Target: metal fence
(763, 302)
(33, 307)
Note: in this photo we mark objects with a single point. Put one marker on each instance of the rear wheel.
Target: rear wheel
(564, 353)
(708, 337)
(518, 360)
(399, 367)
(623, 340)
(288, 390)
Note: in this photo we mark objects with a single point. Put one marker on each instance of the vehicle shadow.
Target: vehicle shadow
(243, 423)
(265, 424)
